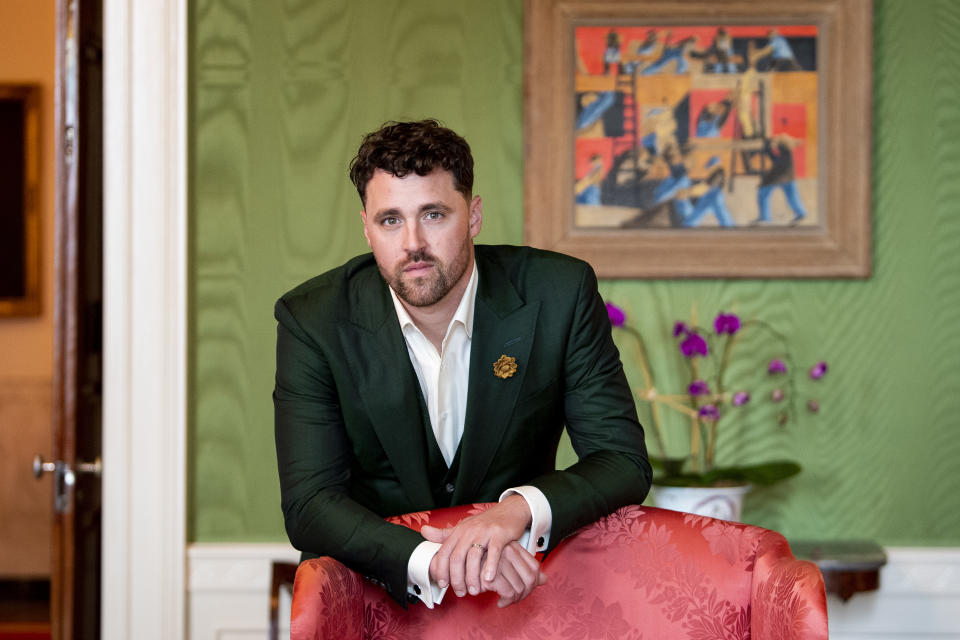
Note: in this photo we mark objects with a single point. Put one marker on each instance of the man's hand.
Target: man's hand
(517, 575)
(480, 540)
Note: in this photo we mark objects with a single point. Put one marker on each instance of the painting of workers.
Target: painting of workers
(696, 126)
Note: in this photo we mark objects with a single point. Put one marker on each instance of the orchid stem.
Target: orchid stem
(711, 444)
(648, 381)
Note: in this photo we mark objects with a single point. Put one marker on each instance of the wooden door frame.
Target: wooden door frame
(145, 320)
(75, 558)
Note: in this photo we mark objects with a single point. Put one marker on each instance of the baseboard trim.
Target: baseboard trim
(229, 590)
(918, 598)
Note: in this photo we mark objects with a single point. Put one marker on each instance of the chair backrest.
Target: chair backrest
(640, 572)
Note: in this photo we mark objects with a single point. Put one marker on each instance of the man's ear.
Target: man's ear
(476, 216)
(363, 216)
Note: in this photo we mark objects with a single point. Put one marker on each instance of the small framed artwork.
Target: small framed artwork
(19, 200)
(690, 138)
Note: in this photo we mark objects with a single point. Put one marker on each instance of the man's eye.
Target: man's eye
(434, 215)
(390, 221)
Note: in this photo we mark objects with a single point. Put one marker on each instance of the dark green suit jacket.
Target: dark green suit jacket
(354, 443)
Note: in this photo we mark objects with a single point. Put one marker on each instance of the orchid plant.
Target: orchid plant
(709, 398)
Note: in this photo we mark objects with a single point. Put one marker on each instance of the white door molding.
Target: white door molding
(145, 320)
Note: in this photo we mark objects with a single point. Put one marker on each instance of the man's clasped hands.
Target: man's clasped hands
(481, 553)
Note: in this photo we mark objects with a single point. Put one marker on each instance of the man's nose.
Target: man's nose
(412, 237)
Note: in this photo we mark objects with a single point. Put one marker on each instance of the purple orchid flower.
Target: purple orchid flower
(726, 323)
(741, 398)
(776, 395)
(693, 345)
(709, 412)
(818, 370)
(777, 366)
(699, 388)
(618, 316)
(679, 328)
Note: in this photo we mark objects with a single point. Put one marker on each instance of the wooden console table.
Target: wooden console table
(848, 566)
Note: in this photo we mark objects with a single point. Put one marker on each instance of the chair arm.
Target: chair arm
(328, 598)
(327, 601)
(788, 600)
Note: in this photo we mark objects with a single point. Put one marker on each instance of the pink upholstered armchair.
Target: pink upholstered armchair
(639, 573)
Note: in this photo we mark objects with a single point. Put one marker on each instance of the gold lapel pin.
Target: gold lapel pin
(505, 367)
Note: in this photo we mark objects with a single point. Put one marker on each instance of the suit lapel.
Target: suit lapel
(377, 357)
(503, 325)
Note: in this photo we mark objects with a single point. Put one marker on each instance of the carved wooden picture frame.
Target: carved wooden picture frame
(718, 139)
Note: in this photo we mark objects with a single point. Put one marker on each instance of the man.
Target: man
(611, 54)
(780, 53)
(434, 373)
(781, 174)
(713, 116)
(676, 186)
(676, 51)
(710, 198)
(723, 60)
(586, 190)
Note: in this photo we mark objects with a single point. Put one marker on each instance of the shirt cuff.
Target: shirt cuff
(418, 574)
(537, 537)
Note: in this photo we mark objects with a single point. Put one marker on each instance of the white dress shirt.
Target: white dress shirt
(444, 380)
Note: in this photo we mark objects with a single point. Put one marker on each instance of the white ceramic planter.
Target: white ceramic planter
(724, 503)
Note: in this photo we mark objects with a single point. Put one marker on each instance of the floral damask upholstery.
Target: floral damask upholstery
(640, 573)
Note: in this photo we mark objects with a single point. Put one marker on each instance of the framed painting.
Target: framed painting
(19, 200)
(682, 139)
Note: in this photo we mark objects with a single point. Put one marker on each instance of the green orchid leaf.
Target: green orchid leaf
(770, 473)
(764, 475)
(669, 466)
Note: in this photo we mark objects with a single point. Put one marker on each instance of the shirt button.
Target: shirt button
(540, 542)
(416, 589)
(449, 488)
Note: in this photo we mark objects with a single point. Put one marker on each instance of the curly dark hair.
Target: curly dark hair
(419, 147)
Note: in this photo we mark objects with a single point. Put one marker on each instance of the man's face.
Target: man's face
(421, 231)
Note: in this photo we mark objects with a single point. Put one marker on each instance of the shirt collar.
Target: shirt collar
(463, 314)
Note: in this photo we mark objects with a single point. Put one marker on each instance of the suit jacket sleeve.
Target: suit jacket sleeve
(601, 419)
(313, 459)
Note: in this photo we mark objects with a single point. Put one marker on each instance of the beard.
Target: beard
(427, 290)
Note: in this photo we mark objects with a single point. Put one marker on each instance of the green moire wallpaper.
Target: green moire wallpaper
(282, 92)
